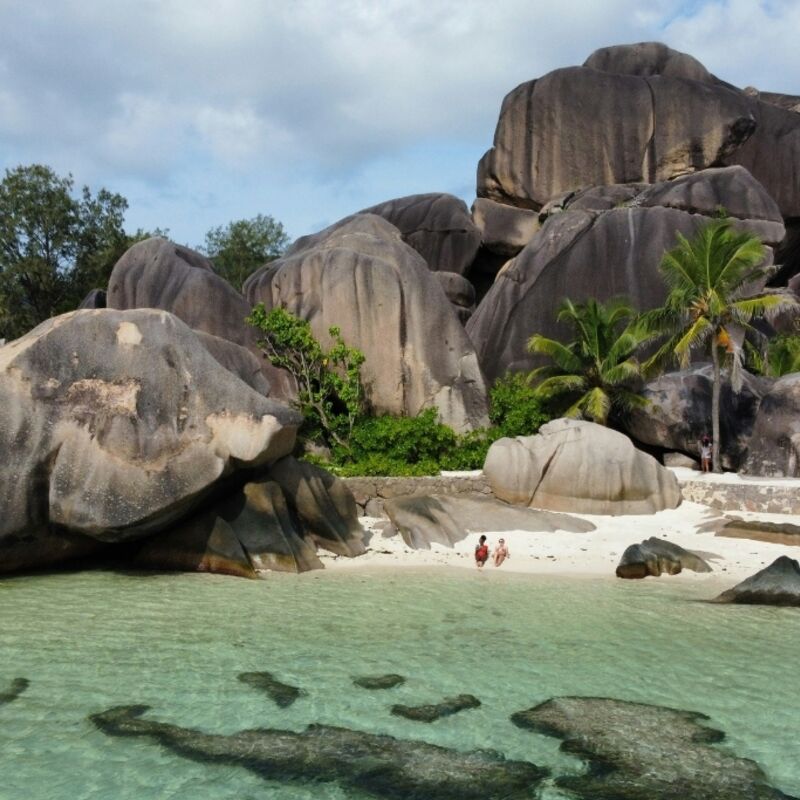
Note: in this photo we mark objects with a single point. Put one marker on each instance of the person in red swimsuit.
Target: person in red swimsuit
(481, 552)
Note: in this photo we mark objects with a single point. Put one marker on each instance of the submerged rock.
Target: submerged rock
(657, 556)
(637, 751)
(447, 519)
(379, 765)
(282, 694)
(775, 585)
(379, 681)
(430, 713)
(15, 689)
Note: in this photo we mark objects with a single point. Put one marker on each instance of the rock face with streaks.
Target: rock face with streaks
(578, 466)
(774, 446)
(362, 277)
(644, 752)
(775, 585)
(116, 424)
(656, 557)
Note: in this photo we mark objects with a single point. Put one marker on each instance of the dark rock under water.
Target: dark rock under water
(17, 687)
(282, 694)
(379, 681)
(430, 713)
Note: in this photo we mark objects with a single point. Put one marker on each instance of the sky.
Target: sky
(202, 112)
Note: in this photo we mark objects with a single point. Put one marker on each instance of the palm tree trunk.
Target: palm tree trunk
(715, 392)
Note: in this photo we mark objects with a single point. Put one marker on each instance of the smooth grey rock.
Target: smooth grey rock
(678, 414)
(447, 519)
(115, 424)
(364, 279)
(637, 751)
(282, 694)
(438, 226)
(460, 292)
(774, 445)
(646, 59)
(761, 531)
(504, 229)
(238, 360)
(376, 764)
(572, 465)
(775, 585)
(680, 460)
(434, 711)
(655, 557)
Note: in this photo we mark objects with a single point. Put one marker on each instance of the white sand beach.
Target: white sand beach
(596, 553)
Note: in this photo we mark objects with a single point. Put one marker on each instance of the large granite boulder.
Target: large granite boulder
(578, 466)
(157, 273)
(438, 226)
(459, 291)
(423, 520)
(362, 277)
(774, 445)
(656, 557)
(775, 585)
(115, 424)
(646, 59)
(505, 230)
(679, 413)
(579, 127)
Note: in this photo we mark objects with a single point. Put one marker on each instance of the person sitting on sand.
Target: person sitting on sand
(481, 552)
(500, 553)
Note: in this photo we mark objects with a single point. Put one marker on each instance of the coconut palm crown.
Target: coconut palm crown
(595, 374)
(713, 281)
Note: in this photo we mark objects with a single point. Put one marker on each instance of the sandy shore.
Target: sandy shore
(590, 554)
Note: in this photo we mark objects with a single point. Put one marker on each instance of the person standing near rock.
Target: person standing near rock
(705, 453)
(481, 552)
(500, 553)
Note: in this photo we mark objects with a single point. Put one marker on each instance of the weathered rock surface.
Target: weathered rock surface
(115, 424)
(374, 682)
(438, 226)
(95, 299)
(157, 273)
(238, 360)
(774, 445)
(646, 59)
(282, 694)
(15, 689)
(655, 557)
(644, 752)
(460, 292)
(364, 279)
(579, 127)
(445, 519)
(679, 413)
(775, 585)
(761, 531)
(379, 765)
(504, 229)
(434, 711)
(578, 466)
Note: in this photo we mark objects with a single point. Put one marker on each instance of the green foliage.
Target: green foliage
(54, 247)
(329, 388)
(239, 248)
(783, 355)
(515, 409)
(597, 372)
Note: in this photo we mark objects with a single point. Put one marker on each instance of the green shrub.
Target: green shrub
(515, 410)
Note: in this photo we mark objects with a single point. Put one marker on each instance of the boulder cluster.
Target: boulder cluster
(149, 419)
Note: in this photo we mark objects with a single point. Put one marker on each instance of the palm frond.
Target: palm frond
(596, 405)
(559, 384)
(767, 305)
(694, 336)
(562, 355)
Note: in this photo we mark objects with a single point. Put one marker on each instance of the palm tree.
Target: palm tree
(592, 375)
(713, 282)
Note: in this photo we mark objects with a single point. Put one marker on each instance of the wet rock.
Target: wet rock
(656, 557)
(775, 585)
(15, 689)
(379, 681)
(379, 765)
(447, 519)
(282, 694)
(644, 752)
(430, 713)
(572, 465)
(761, 531)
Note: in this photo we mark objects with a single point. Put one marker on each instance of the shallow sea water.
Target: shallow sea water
(88, 641)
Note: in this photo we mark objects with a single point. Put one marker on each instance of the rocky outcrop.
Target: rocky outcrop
(460, 292)
(774, 445)
(375, 764)
(656, 557)
(445, 519)
(761, 531)
(238, 360)
(646, 59)
(116, 424)
(364, 279)
(644, 752)
(95, 299)
(578, 466)
(678, 413)
(438, 226)
(434, 711)
(775, 585)
(504, 229)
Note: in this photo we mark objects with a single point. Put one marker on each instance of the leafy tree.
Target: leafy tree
(593, 375)
(330, 394)
(54, 247)
(241, 247)
(711, 303)
(783, 355)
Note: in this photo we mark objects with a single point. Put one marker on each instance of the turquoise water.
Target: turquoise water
(88, 641)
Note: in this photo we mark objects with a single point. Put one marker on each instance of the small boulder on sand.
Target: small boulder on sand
(656, 556)
(775, 585)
